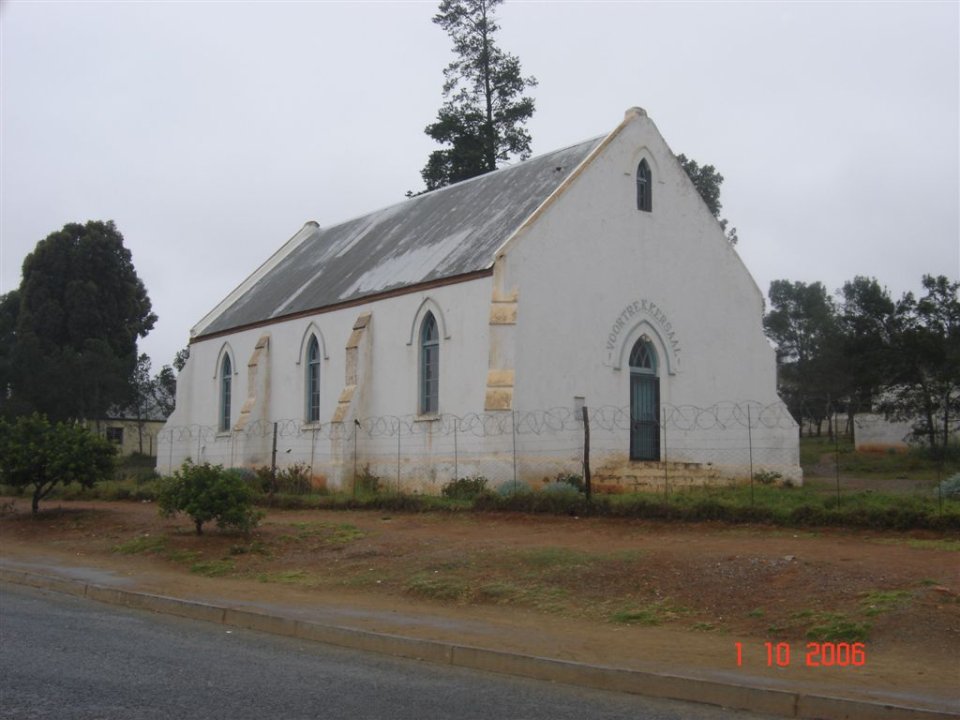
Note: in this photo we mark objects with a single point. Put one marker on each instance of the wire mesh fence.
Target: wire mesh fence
(685, 445)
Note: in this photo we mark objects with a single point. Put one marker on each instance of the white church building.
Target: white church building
(460, 333)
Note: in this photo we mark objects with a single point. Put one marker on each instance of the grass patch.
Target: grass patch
(654, 613)
(183, 556)
(499, 592)
(287, 577)
(916, 463)
(141, 545)
(834, 627)
(257, 547)
(213, 568)
(437, 587)
(552, 557)
(881, 601)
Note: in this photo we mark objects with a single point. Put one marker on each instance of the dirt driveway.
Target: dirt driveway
(614, 591)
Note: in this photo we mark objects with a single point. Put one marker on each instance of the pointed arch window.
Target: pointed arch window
(313, 380)
(429, 366)
(643, 358)
(644, 187)
(644, 402)
(226, 378)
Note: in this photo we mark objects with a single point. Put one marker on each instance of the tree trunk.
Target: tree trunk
(199, 524)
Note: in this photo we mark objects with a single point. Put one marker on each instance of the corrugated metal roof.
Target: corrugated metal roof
(442, 234)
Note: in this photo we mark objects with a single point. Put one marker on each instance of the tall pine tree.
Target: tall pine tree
(79, 311)
(482, 121)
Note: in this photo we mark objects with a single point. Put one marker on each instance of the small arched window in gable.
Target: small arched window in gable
(226, 378)
(313, 380)
(429, 366)
(644, 187)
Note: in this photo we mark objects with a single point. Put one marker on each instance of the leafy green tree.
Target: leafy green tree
(802, 324)
(165, 390)
(35, 453)
(82, 308)
(150, 396)
(180, 359)
(482, 121)
(707, 181)
(867, 327)
(9, 310)
(208, 492)
(925, 387)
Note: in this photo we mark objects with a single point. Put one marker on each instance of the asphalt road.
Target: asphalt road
(64, 657)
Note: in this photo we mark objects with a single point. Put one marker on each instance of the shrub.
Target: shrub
(561, 489)
(248, 476)
(466, 488)
(950, 488)
(366, 483)
(512, 487)
(767, 477)
(572, 479)
(294, 480)
(34, 453)
(208, 492)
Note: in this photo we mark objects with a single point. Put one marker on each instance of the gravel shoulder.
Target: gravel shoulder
(649, 596)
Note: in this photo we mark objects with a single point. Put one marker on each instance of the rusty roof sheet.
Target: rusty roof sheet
(442, 234)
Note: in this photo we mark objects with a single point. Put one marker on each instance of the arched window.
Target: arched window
(643, 358)
(644, 187)
(313, 380)
(429, 365)
(644, 402)
(226, 377)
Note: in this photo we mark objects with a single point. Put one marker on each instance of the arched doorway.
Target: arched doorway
(644, 402)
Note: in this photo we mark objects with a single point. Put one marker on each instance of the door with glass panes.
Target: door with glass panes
(644, 402)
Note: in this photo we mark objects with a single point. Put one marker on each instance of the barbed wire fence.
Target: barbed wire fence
(726, 442)
(693, 445)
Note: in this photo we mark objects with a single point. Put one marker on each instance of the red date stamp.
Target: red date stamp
(815, 654)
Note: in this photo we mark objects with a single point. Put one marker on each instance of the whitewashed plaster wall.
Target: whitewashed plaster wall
(390, 388)
(593, 273)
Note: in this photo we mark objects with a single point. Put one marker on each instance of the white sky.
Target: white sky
(211, 131)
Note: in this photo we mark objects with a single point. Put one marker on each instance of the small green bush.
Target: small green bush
(294, 479)
(466, 488)
(366, 483)
(208, 492)
(561, 488)
(512, 487)
(572, 479)
(767, 477)
(950, 488)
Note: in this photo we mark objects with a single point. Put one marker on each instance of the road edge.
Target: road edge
(785, 703)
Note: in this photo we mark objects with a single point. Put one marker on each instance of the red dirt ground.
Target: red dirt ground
(620, 592)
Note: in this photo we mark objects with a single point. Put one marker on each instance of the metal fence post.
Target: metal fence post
(586, 452)
(515, 483)
(456, 452)
(398, 456)
(356, 428)
(750, 446)
(666, 461)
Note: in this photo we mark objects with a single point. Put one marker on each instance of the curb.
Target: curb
(785, 703)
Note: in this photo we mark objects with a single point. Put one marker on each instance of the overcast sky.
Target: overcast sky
(211, 131)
